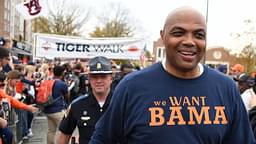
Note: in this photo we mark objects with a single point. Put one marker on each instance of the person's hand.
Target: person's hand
(17, 96)
(32, 109)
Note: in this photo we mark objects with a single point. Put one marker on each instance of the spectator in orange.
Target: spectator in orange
(237, 69)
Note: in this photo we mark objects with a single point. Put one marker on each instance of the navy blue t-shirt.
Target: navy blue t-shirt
(60, 89)
(152, 106)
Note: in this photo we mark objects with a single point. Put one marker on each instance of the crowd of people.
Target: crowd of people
(74, 80)
(178, 100)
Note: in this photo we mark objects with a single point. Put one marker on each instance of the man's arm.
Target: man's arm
(63, 138)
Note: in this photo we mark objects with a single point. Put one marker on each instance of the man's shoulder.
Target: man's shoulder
(60, 83)
(80, 99)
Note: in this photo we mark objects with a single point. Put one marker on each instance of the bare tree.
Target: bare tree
(114, 22)
(248, 53)
(64, 18)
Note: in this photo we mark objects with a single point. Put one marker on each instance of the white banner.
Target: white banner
(56, 46)
(32, 8)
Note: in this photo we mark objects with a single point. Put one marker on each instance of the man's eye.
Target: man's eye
(177, 33)
(200, 35)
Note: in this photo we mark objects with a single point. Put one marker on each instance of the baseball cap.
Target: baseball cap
(245, 78)
(100, 65)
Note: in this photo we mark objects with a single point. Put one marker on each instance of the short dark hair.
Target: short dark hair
(4, 52)
(58, 70)
(78, 66)
(2, 76)
(126, 65)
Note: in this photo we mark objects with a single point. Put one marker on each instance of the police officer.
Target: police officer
(86, 110)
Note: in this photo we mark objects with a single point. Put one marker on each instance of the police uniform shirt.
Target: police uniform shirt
(83, 112)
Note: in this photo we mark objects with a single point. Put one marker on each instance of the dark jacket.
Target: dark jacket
(252, 117)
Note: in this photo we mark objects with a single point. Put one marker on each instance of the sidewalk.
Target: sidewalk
(39, 128)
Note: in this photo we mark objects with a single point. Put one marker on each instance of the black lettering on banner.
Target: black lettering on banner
(70, 47)
(60, 46)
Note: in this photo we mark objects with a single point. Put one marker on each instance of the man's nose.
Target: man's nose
(189, 40)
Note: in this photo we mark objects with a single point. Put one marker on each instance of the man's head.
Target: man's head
(184, 37)
(77, 68)
(244, 82)
(58, 71)
(13, 77)
(4, 56)
(100, 75)
(126, 68)
(8, 43)
(237, 69)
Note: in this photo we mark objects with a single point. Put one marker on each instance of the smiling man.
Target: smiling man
(178, 100)
(86, 110)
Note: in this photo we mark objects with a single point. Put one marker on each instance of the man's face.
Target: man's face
(126, 71)
(4, 61)
(100, 83)
(13, 82)
(184, 37)
(242, 86)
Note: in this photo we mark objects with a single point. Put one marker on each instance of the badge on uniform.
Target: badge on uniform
(98, 66)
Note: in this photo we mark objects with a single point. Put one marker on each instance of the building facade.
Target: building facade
(13, 26)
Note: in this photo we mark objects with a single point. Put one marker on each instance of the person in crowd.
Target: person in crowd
(84, 85)
(5, 132)
(8, 45)
(86, 110)
(13, 78)
(74, 80)
(4, 57)
(29, 91)
(236, 70)
(245, 84)
(252, 111)
(177, 100)
(222, 68)
(8, 100)
(125, 69)
(56, 111)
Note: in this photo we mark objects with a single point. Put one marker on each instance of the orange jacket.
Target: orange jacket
(14, 103)
(19, 87)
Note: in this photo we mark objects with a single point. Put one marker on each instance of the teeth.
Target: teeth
(187, 53)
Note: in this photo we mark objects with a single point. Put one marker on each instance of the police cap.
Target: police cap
(100, 65)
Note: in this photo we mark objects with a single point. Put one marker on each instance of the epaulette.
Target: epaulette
(79, 98)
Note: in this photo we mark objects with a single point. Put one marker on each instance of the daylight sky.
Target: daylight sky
(224, 17)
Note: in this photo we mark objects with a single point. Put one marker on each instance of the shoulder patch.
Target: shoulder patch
(79, 98)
